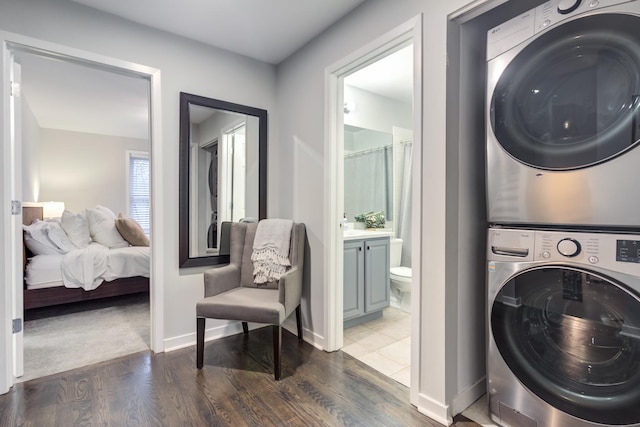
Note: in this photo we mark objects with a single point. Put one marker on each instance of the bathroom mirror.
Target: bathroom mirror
(223, 174)
(368, 172)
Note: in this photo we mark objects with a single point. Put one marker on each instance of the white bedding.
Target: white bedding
(43, 271)
(87, 268)
(84, 268)
(127, 262)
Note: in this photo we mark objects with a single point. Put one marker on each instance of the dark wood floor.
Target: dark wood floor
(235, 388)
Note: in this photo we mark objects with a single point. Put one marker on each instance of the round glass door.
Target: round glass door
(570, 99)
(573, 339)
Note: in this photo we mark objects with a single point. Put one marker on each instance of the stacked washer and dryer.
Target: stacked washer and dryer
(563, 199)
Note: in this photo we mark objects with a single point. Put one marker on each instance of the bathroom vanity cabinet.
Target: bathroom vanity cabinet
(366, 279)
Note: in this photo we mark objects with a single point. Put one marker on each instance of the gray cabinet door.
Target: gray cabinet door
(376, 277)
(353, 279)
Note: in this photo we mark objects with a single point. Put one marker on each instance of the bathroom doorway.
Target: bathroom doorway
(409, 33)
(378, 175)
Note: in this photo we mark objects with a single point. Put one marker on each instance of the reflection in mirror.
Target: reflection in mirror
(222, 174)
(368, 172)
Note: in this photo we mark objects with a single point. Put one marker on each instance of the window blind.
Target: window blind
(139, 200)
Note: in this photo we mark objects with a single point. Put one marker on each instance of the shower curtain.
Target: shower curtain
(403, 222)
(367, 182)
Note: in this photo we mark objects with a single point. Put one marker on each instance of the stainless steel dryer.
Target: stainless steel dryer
(563, 328)
(563, 121)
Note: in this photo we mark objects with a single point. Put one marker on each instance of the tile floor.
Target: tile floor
(479, 412)
(384, 344)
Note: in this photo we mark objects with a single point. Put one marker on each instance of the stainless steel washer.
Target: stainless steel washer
(563, 328)
(563, 122)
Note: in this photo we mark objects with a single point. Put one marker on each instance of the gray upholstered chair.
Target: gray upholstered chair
(231, 294)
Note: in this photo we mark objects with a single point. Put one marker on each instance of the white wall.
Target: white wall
(30, 154)
(364, 139)
(375, 111)
(185, 66)
(85, 169)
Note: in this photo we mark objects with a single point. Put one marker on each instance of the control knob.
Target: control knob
(568, 6)
(569, 247)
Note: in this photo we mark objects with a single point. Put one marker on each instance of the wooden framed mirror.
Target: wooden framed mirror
(223, 174)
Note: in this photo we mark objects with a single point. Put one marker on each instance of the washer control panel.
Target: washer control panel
(569, 247)
(557, 246)
(619, 252)
(568, 6)
(628, 250)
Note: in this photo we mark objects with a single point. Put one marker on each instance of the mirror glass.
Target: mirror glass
(368, 172)
(222, 174)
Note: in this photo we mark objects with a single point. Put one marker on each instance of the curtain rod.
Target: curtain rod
(370, 150)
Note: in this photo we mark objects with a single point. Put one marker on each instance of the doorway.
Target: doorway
(406, 36)
(13, 46)
(85, 146)
(378, 143)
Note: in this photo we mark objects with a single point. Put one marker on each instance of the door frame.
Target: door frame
(411, 31)
(11, 42)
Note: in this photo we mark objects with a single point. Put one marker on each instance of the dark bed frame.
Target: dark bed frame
(36, 298)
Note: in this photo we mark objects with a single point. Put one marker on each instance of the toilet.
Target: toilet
(400, 278)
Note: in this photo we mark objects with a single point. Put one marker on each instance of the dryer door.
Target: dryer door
(572, 338)
(570, 99)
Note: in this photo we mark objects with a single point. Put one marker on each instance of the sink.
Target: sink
(366, 233)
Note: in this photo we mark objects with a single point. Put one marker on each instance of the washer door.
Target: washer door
(570, 99)
(573, 339)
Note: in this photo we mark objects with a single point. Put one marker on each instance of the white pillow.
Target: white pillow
(103, 229)
(36, 239)
(57, 235)
(76, 227)
(107, 211)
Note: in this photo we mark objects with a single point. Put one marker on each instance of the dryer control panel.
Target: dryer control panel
(522, 27)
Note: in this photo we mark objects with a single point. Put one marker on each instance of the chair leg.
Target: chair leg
(245, 327)
(200, 321)
(299, 322)
(277, 348)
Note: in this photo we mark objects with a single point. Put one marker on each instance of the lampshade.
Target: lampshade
(52, 209)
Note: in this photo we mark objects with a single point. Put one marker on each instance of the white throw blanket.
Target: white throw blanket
(270, 254)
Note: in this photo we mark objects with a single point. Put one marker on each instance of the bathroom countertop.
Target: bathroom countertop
(365, 234)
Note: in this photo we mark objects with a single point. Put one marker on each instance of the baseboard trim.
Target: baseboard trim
(466, 398)
(187, 340)
(233, 328)
(434, 410)
(308, 336)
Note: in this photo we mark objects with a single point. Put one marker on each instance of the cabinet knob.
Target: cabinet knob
(368, 248)
(360, 248)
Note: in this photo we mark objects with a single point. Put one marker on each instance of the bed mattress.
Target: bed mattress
(46, 271)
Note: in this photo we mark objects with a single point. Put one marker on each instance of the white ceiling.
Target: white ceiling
(267, 30)
(75, 97)
(68, 96)
(391, 76)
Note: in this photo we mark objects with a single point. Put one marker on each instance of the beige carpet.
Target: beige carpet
(70, 336)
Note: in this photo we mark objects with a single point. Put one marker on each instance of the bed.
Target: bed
(77, 274)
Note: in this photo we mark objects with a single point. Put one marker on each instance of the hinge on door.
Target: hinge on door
(16, 207)
(17, 325)
(14, 89)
